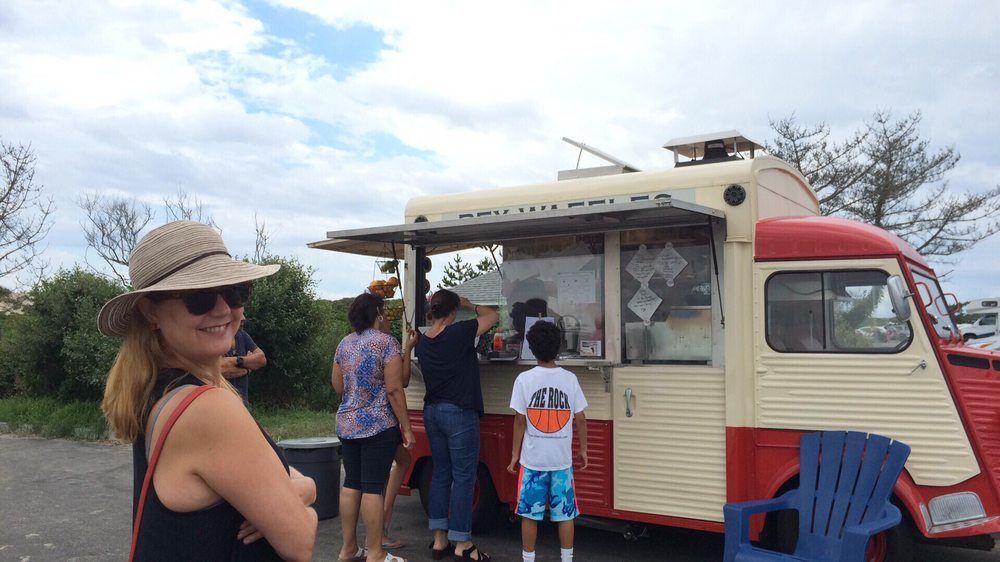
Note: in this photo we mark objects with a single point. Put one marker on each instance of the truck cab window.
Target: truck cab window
(832, 312)
(667, 288)
(929, 295)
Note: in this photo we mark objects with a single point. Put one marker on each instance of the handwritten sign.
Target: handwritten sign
(669, 263)
(642, 266)
(644, 303)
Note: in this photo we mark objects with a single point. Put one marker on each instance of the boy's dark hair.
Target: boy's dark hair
(543, 339)
(443, 303)
(363, 312)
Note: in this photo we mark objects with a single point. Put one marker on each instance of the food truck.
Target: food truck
(712, 316)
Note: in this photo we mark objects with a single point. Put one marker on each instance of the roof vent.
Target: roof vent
(617, 166)
(711, 148)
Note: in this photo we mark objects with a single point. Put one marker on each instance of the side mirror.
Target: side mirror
(897, 296)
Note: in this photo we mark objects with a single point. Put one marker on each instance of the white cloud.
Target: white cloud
(148, 98)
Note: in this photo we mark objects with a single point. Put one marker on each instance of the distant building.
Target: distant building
(484, 290)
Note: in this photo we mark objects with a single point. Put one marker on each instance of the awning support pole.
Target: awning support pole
(715, 264)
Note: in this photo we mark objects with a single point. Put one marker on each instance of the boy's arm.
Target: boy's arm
(581, 429)
(520, 423)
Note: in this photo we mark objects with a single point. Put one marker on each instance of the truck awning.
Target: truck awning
(452, 235)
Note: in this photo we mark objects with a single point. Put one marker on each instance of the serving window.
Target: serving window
(556, 278)
(666, 295)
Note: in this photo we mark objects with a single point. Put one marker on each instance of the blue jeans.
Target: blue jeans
(454, 436)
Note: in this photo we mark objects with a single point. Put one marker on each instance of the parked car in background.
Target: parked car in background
(985, 325)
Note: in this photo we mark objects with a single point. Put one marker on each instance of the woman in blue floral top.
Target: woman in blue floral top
(371, 421)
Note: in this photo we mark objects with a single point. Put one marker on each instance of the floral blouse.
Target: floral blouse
(364, 408)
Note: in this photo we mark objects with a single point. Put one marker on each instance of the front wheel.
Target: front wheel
(485, 504)
(894, 545)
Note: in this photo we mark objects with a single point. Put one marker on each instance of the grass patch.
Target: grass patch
(83, 420)
(293, 424)
(52, 418)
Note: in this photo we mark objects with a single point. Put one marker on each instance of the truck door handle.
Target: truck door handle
(628, 402)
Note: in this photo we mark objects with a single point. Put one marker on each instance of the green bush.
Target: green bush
(54, 348)
(295, 331)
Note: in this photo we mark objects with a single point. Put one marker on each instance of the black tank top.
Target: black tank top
(206, 534)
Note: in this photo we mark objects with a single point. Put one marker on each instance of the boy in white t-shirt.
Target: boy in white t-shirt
(545, 398)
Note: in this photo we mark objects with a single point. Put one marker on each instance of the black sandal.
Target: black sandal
(483, 557)
(443, 553)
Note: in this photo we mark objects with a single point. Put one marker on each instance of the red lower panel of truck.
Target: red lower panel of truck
(594, 485)
(759, 463)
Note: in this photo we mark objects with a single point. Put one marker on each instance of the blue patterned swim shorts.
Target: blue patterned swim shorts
(538, 489)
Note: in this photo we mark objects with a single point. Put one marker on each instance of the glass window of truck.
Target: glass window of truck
(833, 311)
(560, 278)
(666, 295)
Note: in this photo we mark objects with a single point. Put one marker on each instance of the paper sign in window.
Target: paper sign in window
(642, 266)
(669, 263)
(644, 303)
(578, 287)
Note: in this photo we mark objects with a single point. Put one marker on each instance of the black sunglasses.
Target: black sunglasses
(202, 301)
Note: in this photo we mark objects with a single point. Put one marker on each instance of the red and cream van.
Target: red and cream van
(712, 316)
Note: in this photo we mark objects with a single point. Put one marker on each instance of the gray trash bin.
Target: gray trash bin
(319, 459)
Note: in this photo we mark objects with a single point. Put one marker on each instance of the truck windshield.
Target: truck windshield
(932, 299)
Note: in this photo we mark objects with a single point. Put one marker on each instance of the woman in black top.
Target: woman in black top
(221, 490)
(453, 402)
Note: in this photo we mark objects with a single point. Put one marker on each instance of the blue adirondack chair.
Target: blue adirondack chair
(845, 482)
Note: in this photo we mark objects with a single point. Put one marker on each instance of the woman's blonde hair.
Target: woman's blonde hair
(132, 377)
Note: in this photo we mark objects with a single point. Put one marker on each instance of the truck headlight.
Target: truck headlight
(955, 508)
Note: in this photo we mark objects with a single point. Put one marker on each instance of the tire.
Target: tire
(485, 504)
(967, 337)
(894, 545)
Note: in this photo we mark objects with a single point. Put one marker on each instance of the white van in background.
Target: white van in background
(985, 326)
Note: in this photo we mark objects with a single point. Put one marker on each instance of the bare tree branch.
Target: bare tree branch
(24, 213)
(260, 251)
(188, 207)
(113, 228)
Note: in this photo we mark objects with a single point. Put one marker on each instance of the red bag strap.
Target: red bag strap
(151, 466)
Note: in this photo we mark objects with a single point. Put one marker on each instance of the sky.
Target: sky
(320, 116)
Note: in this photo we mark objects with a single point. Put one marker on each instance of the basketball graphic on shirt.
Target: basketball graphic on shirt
(549, 410)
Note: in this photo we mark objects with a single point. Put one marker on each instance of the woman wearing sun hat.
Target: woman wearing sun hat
(218, 488)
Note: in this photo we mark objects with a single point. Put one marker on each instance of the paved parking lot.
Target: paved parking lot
(67, 500)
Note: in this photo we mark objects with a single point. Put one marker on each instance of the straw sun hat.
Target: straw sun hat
(178, 256)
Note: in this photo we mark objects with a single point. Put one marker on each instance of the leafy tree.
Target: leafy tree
(297, 333)
(485, 265)
(25, 216)
(54, 348)
(887, 175)
(457, 272)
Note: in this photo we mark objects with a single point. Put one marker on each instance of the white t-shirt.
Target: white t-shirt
(548, 398)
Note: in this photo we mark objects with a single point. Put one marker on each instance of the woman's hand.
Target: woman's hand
(411, 339)
(248, 533)
(408, 439)
(466, 303)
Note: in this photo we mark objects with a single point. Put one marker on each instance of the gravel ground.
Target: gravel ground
(71, 500)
